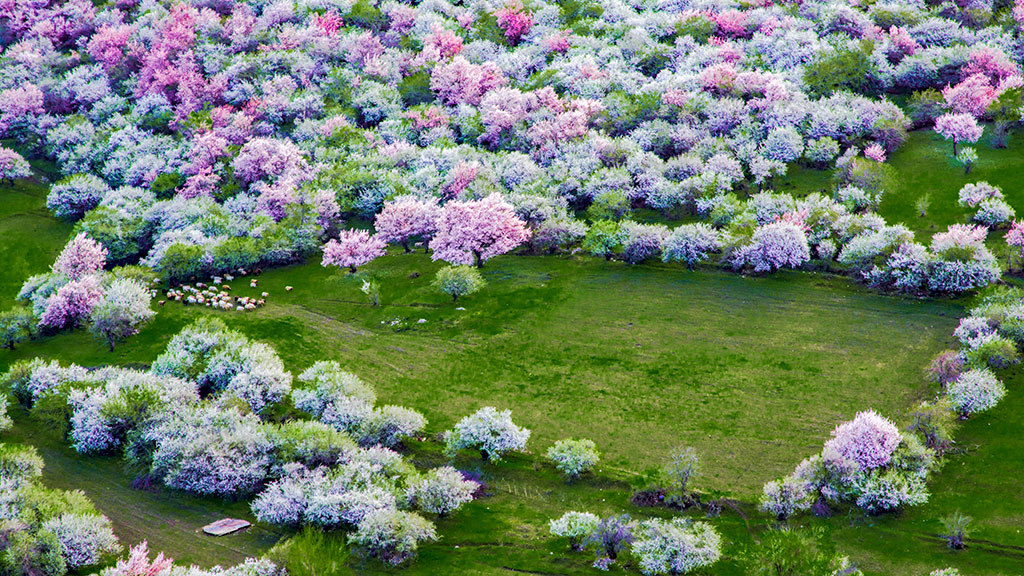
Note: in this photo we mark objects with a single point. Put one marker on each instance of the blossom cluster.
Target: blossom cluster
(867, 462)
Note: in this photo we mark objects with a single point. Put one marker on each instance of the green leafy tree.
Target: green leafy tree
(458, 281)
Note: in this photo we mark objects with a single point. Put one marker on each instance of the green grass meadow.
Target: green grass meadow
(752, 371)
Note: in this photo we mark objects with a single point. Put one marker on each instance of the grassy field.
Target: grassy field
(753, 372)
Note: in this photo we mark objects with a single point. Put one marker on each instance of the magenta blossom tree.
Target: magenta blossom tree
(81, 257)
(72, 303)
(406, 217)
(475, 231)
(352, 249)
(958, 128)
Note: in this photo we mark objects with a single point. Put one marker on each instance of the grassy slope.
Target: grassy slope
(752, 371)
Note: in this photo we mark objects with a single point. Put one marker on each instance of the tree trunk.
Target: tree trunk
(486, 457)
(352, 269)
(111, 343)
(954, 148)
(455, 298)
(405, 245)
(479, 263)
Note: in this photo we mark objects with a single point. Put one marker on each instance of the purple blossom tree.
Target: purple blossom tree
(958, 128)
(868, 441)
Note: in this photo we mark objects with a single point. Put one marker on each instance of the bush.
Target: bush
(389, 425)
(783, 498)
(16, 326)
(691, 244)
(441, 491)
(392, 535)
(603, 239)
(310, 443)
(611, 535)
(975, 391)
(991, 351)
(576, 526)
(72, 197)
(85, 539)
(840, 70)
(488, 430)
(574, 457)
(676, 546)
(791, 551)
(457, 281)
(641, 241)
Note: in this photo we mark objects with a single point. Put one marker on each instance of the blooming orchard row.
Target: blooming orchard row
(201, 137)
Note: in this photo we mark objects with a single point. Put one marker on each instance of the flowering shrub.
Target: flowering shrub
(74, 196)
(139, 564)
(334, 397)
(13, 166)
(867, 442)
(121, 312)
(574, 457)
(393, 535)
(868, 462)
(975, 391)
(774, 246)
(783, 498)
(441, 491)
(389, 425)
(641, 241)
(222, 361)
(690, 243)
(575, 526)
(488, 430)
(676, 546)
(209, 450)
(84, 539)
(81, 257)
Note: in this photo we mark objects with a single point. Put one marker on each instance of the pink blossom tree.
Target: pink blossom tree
(404, 218)
(139, 564)
(971, 96)
(958, 128)
(81, 257)
(352, 249)
(475, 231)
